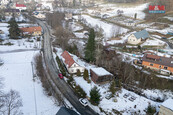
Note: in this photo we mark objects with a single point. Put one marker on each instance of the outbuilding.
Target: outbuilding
(99, 75)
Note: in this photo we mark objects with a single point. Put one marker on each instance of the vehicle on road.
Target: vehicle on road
(60, 76)
(83, 101)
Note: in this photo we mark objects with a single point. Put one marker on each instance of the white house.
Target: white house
(70, 64)
(40, 16)
(137, 37)
(20, 7)
(167, 107)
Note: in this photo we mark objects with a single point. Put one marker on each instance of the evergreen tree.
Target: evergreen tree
(85, 74)
(78, 72)
(95, 96)
(14, 31)
(90, 47)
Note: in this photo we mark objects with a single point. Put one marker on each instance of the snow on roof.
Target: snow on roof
(168, 104)
(100, 71)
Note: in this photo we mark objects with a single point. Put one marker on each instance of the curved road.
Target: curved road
(65, 89)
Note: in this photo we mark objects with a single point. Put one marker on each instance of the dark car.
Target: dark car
(60, 75)
(164, 38)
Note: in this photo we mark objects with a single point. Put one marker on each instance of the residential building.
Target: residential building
(158, 63)
(138, 37)
(35, 31)
(2, 2)
(40, 16)
(68, 16)
(20, 6)
(71, 65)
(10, 12)
(167, 107)
(66, 111)
(100, 75)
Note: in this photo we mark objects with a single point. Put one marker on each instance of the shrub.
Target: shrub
(78, 72)
(151, 110)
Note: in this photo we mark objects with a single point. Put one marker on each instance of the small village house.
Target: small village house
(10, 12)
(70, 64)
(34, 31)
(166, 108)
(20, 6)
(158, 63)
(40, 16)
(138, 37)
(100, 75)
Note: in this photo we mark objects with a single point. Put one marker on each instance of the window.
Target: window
(71, 70)
(151, 64)
(165, 67)
(160, 66)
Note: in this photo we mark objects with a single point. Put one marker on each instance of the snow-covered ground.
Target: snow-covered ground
(108, 29)
(153, 42)
(17, 74)
(111, 10)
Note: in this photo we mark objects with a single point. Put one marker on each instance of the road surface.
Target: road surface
(65, 89)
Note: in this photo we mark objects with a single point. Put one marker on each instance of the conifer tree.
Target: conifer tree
(90, 47)
(85, 74)
(14, 31)
(95, 96)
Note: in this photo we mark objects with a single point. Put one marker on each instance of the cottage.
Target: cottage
(137, 37)
(10, 12)
(100, 75)
(70, 64)
(40, 16)
(166, 108)
(35, 31)
(20, 7)
(68, 16)
(158, 63)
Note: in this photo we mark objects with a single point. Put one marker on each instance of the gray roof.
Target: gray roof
(142, 34)
(66, 111)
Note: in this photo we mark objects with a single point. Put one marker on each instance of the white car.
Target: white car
(83, 101)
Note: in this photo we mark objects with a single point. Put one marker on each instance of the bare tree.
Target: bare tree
(10, 103)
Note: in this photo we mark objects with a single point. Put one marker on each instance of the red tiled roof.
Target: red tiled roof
(153, 56)
(68, 59)
(31, 29)
(20, 5)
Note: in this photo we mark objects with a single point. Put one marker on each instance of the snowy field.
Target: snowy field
(111, 10)
(17, 74)
(108, 29)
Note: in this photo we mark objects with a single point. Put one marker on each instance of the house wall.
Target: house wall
(165, 111)
(37, 33)
(74, 69)
(133, 40)
(155, 66)
(100, 79)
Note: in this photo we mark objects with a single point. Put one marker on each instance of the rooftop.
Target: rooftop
(158, 60)
(168, 104)
(31, 29)
(100, 71)
(68, 59)
(66, 111)
(142, 34)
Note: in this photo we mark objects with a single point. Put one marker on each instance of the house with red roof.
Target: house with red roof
(20, 6)
(71, 65)
(35, 30)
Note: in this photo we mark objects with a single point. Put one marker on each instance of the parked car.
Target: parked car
(83, 101)
(60, 75)
(126, 95)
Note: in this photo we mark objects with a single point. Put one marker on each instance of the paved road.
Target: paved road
(65, 89)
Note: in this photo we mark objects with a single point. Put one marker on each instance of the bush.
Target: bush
(9, 44)
(78, 72)
(151, 110)
(86, 75)
(38, 39)
(81, 93)
(61, 66)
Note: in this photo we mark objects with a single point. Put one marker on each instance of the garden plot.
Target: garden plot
(111, 10)
(154, 43)
(108, 29)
